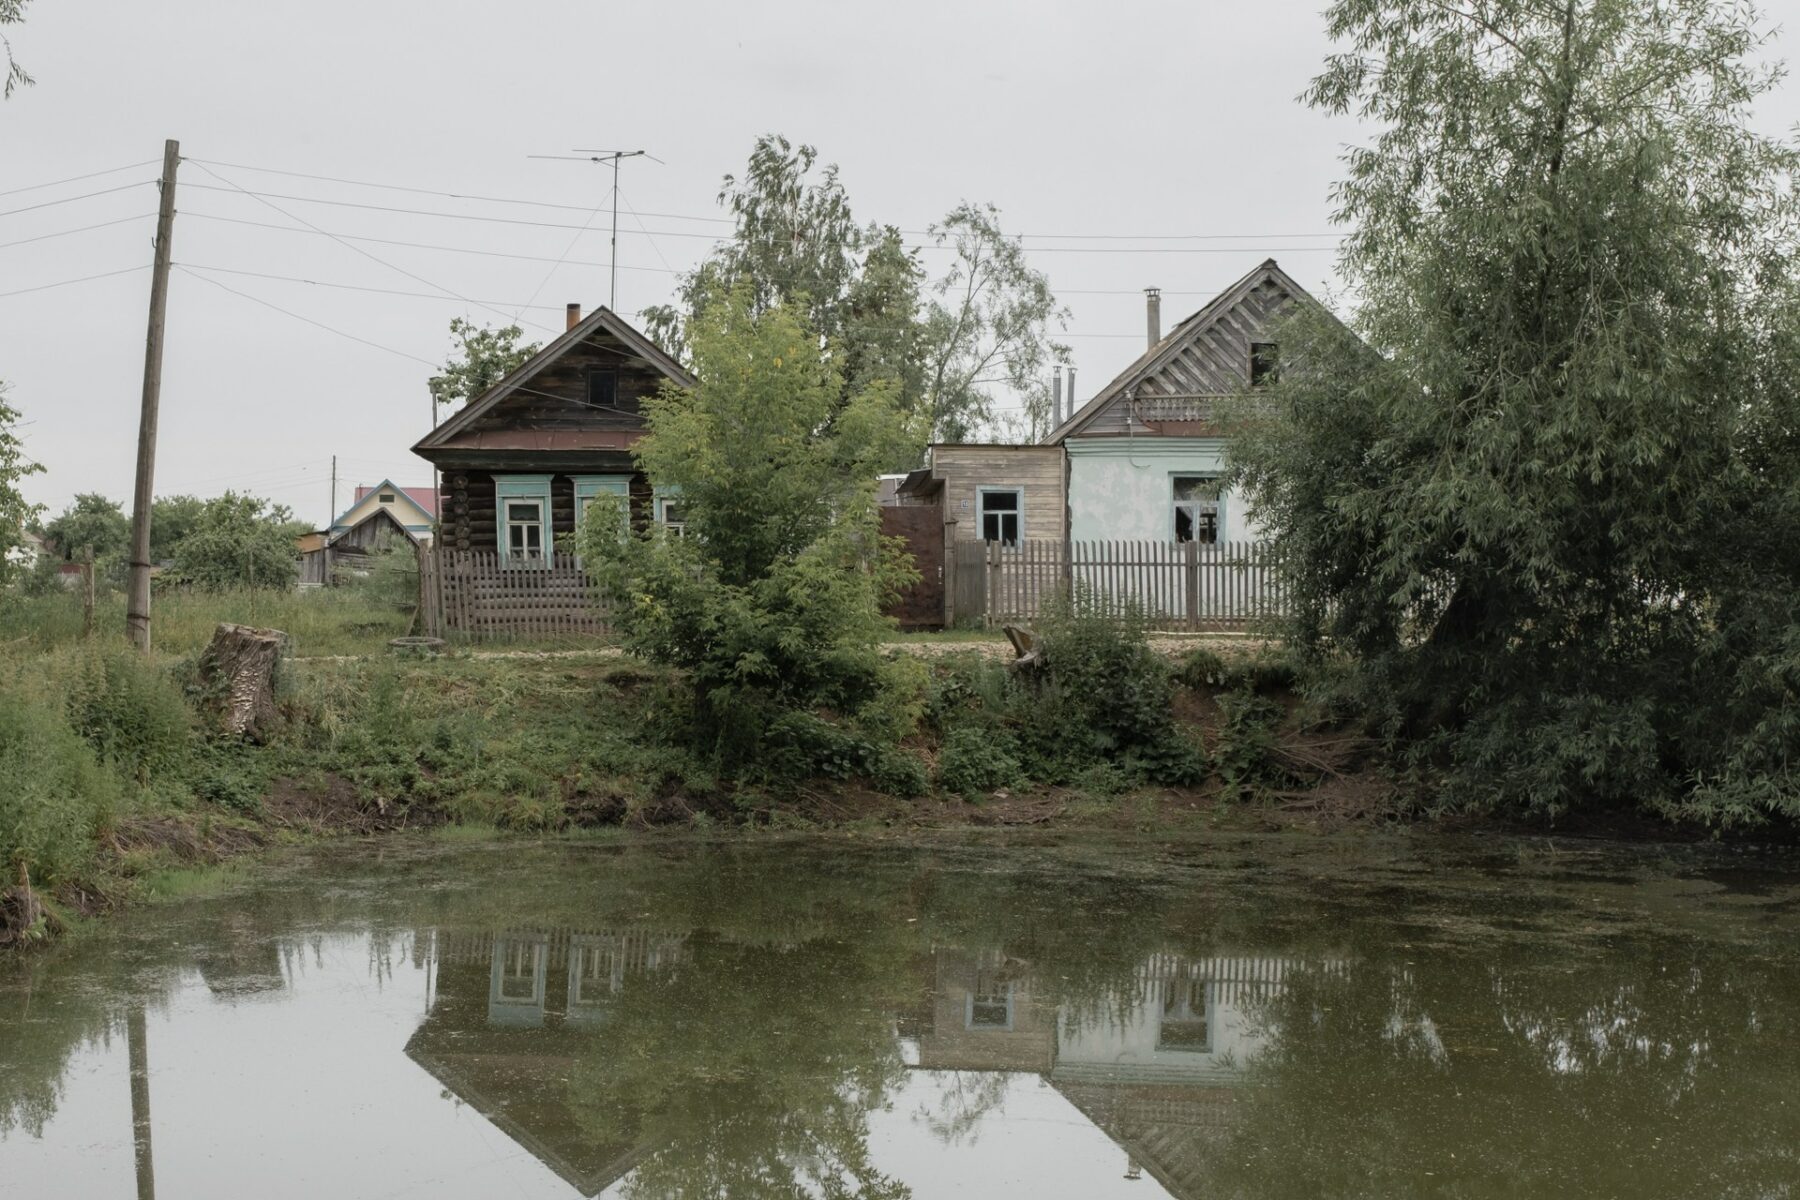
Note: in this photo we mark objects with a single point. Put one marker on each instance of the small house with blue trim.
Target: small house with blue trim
(1146, 455)
(520, 463)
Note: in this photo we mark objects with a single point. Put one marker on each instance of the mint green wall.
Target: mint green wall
(1122, 488)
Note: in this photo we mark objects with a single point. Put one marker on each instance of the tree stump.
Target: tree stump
(237, 674)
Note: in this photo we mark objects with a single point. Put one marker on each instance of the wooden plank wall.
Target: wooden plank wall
(1174, 585)
(469, 594)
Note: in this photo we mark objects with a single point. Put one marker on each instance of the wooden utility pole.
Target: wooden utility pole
(137, 595)
(87, 593)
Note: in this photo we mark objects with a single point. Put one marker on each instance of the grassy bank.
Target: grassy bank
(110, 779)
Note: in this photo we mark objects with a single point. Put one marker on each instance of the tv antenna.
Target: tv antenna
(615, 157)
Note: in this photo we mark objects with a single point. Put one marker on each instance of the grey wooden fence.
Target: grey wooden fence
(1174, 585)
(471, 594)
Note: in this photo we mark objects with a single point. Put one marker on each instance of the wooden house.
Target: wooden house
(414, 509)
(1146, 455)
(992, 493)
(520, 463)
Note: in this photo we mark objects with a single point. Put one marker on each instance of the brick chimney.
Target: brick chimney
(1153, 313)
(574, 316)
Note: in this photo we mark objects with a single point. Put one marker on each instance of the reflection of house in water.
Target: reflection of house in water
(984, 1016)
(507, 1019)
(1154, 1065)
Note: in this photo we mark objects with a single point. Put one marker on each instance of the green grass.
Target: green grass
(183, 883)
(321, 621)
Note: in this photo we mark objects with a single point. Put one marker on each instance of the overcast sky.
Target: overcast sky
(1074, 118)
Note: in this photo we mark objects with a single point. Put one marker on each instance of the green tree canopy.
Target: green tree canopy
(91, 520)
(172, 518)
(480, 358)
(16, 513)
(239, 541)
(948, 346)
(772, 603)
(12, 12)
(1555, 523)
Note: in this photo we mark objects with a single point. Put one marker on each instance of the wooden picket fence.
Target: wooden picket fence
(1173, 585)
(470, 594)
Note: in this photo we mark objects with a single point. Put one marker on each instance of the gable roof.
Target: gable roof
(424, 497)
(1174, 342)
(417, 497)
(601, 320)
(378, 513)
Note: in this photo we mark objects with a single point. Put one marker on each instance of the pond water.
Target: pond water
(1245, 1017)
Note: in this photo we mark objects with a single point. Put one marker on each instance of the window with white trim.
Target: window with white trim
(1197, 508)
(587, 487)
(524, 531)
(671, 516)
(1186, 1019)
(1001, 515)
(522, 519)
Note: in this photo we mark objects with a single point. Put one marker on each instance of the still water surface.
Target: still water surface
(1235, 1018)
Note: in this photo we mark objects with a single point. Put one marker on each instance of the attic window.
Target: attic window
(1265, 363)
(603, 391)
(385, 498)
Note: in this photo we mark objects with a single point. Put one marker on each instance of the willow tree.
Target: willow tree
(1553, 522)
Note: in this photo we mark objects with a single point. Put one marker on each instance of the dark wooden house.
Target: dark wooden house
(520, 463)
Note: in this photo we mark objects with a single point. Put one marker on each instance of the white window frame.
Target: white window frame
(523, 489)
(664, 498)
(981, 511)
(1176, 505)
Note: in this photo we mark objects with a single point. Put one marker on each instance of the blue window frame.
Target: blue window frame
(522, 519)
(589, 486)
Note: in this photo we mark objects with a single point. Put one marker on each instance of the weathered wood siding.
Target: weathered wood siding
(1213, 359)
(1036, 470)
(471, 511)
(556, 397)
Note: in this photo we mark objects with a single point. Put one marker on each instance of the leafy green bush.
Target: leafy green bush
(974, 761)
(1102, 695)
(1245, 753)
(55, 794)
(132, 713)
(771, 606)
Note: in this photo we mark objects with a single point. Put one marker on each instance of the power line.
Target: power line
(44, 287)
(123, 187)
(419, 245)
(353, 287)
(356, 249)
(35, 187)
(717, 238)
(44, 237)
(395, 187)
(308, 320)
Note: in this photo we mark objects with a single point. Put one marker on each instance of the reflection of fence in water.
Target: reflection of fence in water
(1174, 585)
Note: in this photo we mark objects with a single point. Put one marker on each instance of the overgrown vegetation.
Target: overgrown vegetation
(771, 606)
(1548, 538)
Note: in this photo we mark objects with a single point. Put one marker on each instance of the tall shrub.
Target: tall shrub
(771, 603)
(1555, 520)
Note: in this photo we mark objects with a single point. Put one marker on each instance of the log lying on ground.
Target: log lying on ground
(237, 675)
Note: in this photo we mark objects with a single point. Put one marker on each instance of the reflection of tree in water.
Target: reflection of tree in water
(963, 1100)
(750, 1070)
(1666, 1076)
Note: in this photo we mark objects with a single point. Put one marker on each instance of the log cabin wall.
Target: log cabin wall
(557, 396)
(471, 510)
